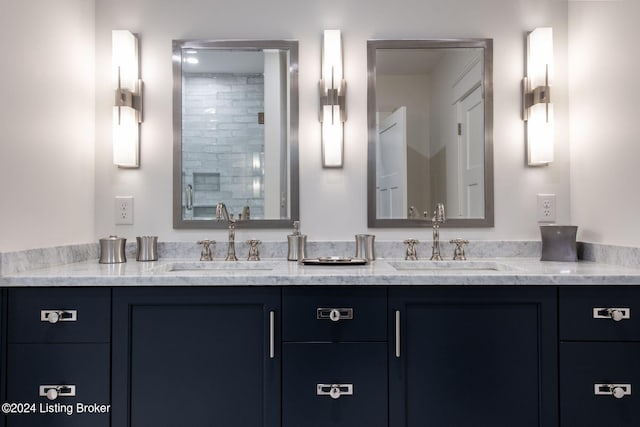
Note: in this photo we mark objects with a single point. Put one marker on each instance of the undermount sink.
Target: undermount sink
(451, 266)
(214, 266)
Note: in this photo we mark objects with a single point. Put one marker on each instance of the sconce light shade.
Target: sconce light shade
(332, 100)
(127, 110)
(537, 106)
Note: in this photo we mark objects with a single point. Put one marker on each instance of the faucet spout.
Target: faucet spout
(223, 214)
(437, 219)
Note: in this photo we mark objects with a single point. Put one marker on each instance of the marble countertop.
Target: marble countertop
(277, 272)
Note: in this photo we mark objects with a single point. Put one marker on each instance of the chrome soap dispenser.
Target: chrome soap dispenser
(297, 243)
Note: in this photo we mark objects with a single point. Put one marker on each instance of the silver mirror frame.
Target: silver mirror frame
(292, 47)
(487, 46)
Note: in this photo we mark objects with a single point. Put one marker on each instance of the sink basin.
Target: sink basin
(214, 266)
(444, 266)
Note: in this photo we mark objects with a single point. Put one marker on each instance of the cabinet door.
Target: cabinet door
(357, 370)
(3, 354)
(81, 315)
(590, 372)
(473, 357)
(78, 372)
(307, 314)
(196, 357)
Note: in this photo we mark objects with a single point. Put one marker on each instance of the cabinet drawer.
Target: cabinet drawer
(311, 370)
(45, 315)
(80, 369)
(334, 314)
(583, 366)
(600, 314)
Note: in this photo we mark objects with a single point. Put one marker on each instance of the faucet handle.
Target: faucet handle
(458, 252)
(254, 252)
(412, 253)
(206, 255)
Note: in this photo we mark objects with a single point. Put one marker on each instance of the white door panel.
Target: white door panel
(392, 166)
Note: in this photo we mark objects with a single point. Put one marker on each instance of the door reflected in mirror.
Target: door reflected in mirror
(235, 132)
(430, 129)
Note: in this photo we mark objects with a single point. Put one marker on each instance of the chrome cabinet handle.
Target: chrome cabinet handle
(616, 390)
(334, 314)
(55, 316)
(335, 391)
(614, 313)
(52, 392)
(189, 197)
(397, 333)
(272, 334)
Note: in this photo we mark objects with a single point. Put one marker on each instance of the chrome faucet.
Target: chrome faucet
(437, 219)
(206, 254)
(223, 214)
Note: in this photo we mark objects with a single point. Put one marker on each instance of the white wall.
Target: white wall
(605, 122)
(47, 123)
(333, 202)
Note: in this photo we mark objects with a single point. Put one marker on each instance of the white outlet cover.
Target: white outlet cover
(546, 208)
(123, 210)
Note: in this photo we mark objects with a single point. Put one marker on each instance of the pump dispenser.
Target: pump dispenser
(297, 244)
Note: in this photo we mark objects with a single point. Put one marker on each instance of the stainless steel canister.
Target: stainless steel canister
(365, 246)
(147, 248)
(112, 250)
(559, 243)
(297, 247)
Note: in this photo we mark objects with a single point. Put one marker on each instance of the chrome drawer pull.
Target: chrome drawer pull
(272, 334)
(334, 314)
(55, 316)
(52, 392)
(616, 390)
(397, 333)
(335, 391)
(614, 313)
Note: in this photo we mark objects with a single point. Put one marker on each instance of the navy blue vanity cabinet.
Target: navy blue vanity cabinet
(334, 357)
(599, 356)
(58, 356)
(3, 353)
(196, 357)
(474, 356)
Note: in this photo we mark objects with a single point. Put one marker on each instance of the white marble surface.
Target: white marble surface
(508, 263)
(32, 259)
(499, 271)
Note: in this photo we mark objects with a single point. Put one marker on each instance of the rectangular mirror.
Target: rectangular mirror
(235, 132)
(430, 124)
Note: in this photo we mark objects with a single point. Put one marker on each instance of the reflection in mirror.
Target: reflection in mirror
(430, 124)
(235, 132)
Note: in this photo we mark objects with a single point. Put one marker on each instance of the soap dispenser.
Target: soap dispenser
(297, 243)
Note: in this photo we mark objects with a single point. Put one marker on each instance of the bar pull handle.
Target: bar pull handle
(614, 313)
(272, 334)
(55, 316)
(189, 197)
(52, 392)
(616, 390)
(398, 334)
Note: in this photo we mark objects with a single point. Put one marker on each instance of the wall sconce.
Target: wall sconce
(127, 110)
(537, 106)
(332, 100)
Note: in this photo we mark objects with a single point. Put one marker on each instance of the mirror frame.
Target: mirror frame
(372, 47)
(294, 196)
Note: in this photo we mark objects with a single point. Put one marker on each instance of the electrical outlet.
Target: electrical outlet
(123, 213)
(546, 208)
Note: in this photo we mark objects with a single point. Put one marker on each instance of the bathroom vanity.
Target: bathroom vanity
(374, 345)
